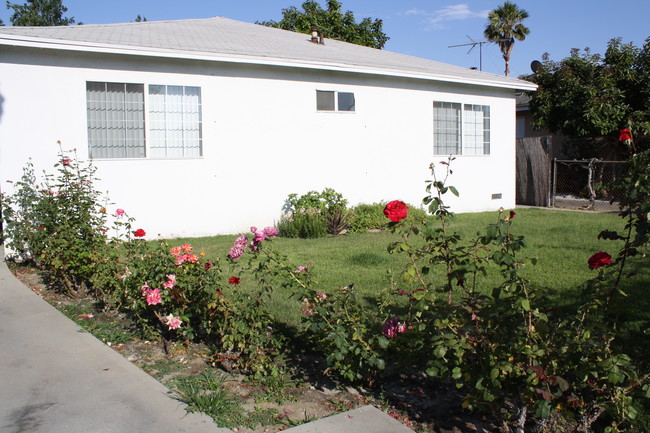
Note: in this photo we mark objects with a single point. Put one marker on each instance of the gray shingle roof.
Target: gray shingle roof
(222, 38)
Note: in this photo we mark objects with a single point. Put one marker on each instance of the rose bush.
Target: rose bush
(532, 370)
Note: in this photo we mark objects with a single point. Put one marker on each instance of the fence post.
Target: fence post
(590, 183)
(549, 147)
(554, 184)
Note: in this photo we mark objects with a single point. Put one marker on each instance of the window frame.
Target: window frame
(470, 138)
(336, 95)
(147, 152)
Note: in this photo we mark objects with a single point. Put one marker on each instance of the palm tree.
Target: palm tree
(504, 26)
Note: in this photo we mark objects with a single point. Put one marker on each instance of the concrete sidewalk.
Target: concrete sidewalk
(57, 378)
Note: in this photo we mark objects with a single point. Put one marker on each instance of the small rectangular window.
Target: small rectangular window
(328, 100)
(324, 101)
(346, 101)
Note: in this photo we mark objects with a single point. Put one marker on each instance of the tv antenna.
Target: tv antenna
(473, 45)
(480, 48)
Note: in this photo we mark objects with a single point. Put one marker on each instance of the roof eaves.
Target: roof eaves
(57, 44)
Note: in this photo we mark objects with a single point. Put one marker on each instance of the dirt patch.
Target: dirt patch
(259, 407)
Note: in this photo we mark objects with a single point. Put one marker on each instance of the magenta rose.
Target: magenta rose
(600, 260)
(396, 210)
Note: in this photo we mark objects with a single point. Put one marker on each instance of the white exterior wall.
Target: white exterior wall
(262, 139)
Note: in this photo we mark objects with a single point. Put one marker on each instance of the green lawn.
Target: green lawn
(561, 241)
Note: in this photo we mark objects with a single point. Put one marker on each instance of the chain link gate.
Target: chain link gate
(589, 184)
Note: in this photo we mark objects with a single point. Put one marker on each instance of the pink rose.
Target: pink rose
(119, 212)
(392, 327)
(237, 249)
(154, 297)
(271, 232)
(173, 322)
(259, 235)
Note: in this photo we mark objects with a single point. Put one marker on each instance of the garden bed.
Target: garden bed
(249, 406)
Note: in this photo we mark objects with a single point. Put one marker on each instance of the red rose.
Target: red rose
(396, 210)
(65, 161)
(624, 135)
(512, 214)
(233, 280)
(139, 233)
(599, 260)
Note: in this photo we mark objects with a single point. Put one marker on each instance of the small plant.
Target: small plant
(314, 214)
(306, 224)
(207, 393)
(338, 221)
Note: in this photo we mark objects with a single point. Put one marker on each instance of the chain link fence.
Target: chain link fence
(589, 184)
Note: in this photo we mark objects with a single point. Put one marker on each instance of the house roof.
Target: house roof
(223, 39)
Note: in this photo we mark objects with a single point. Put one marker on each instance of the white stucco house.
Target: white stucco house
(204, 126)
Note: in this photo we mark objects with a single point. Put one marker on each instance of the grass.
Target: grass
(207, 393)
(561, 242)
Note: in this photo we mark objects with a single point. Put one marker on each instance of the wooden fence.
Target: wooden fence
(534, 164)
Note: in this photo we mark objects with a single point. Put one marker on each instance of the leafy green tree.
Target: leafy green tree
(332, 22)
(504, 26)
(589, 96)
(39, 13)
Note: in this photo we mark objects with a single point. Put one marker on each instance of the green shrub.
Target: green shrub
(371, 216)
(368, 217)
(307, 224)
(314, 214)
(326, 201)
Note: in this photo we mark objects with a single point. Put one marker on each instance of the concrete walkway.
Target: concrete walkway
(57, 378)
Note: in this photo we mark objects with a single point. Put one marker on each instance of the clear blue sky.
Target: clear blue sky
(423, 28)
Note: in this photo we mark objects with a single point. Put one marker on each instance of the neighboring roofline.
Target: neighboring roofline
(57, 44)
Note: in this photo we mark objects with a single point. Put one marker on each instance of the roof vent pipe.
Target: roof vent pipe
(321, 39)
(314, 34)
